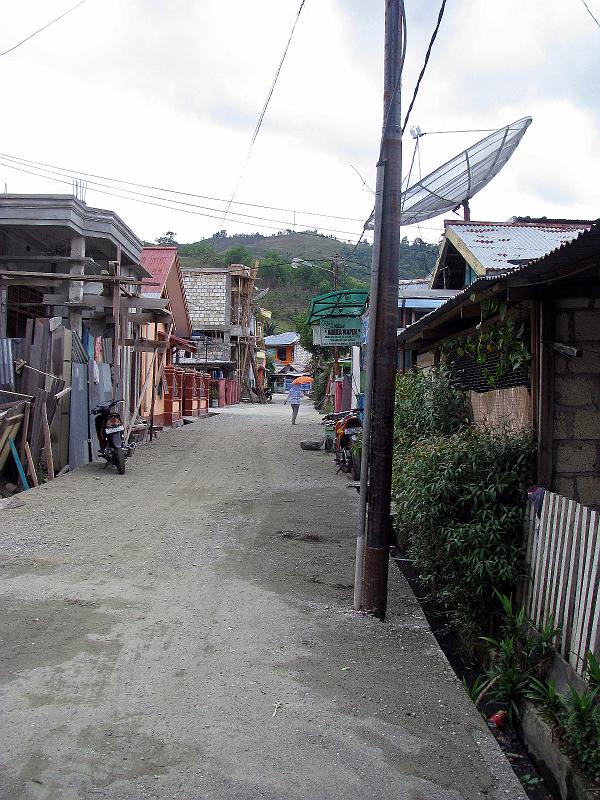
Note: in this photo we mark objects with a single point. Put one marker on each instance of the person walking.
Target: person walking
(294, 398)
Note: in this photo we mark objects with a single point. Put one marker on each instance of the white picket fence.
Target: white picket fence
(563, 553)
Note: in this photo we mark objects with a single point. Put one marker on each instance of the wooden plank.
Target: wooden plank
(141, 302)
(561, 584)
(557, 560)
(543, 559)
(538, 548)
(35, 440)
(9, 431)
(25, 430)
(589, 587)
(578, 611)
(47, 443)
(62, 276)
(570, 591)
(31, 466)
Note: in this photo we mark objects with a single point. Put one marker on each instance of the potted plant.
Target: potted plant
(213, 395)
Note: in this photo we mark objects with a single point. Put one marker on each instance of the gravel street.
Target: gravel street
(185, 631)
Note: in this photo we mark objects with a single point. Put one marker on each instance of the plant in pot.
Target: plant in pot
(213, 395)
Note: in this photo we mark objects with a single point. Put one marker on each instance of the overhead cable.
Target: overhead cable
(193, 210)
(43, 28)
(263, 112)
(425, 63)
(590, 13)
(81, 174)
(175, 205)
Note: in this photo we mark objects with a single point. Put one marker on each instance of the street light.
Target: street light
(300, 262)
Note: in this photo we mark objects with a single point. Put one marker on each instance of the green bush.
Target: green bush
(580, 724)
(426, 405)
(320, 387)
(459, 493)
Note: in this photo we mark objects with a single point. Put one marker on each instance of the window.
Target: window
(281, 354)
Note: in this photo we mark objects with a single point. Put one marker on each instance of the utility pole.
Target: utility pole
(372, 552)
(336, 349)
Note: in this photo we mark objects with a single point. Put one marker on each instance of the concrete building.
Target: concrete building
(220, 306)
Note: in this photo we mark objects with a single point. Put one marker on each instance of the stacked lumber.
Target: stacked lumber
(35, 373)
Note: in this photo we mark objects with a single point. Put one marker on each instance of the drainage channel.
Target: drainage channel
(467, 670)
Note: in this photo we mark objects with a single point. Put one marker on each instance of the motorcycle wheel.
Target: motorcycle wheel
(118, 454)
(119, 459)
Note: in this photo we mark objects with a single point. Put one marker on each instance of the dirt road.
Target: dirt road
(185, 632)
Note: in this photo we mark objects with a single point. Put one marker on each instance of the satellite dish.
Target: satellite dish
(462, 177)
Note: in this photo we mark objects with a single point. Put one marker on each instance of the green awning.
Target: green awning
(341, 303)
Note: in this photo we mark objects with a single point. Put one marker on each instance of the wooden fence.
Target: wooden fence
(563, 553)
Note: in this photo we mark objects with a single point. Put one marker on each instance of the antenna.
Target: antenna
(455, 182)
(79, 189)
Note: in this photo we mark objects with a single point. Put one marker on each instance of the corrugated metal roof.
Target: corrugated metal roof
(496, 244)
(281, 339)
(585, 245)
(158, 261)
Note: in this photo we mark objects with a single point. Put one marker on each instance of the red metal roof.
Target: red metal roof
(158, 261)
(182, 344)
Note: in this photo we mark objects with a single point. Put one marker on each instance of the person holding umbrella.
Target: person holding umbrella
(299, 387)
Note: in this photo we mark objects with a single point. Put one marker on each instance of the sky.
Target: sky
(167, 93)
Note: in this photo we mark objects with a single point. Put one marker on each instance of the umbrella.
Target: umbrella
(302, 379)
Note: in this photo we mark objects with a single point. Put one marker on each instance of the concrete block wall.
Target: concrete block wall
(208, 296)
(576, 456)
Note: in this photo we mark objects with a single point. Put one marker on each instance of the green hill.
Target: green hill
(290, 290)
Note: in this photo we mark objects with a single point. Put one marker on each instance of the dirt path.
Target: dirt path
(185, 632)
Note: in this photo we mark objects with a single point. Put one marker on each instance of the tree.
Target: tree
(269, 327)
(203, 252)
(239, 255)
(167, 240)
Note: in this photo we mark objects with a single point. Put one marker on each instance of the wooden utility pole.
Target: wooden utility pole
(336, 349)
(376, 476)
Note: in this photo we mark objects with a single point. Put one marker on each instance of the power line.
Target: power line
(425, 63)
(43, 28)
(468, 130)
(590, 13)
(263, 112)
(175, 205)
(80, 173)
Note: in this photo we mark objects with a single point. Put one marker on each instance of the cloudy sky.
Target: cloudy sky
(167, 93)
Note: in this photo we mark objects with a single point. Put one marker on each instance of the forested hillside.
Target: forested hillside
(290, 290)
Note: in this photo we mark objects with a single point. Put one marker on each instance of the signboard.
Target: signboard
(338, 331)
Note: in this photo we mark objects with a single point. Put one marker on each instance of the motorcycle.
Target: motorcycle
(347, 429)
(268, 393)
(110, 431)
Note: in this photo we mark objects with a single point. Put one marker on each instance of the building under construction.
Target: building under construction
(220, 305)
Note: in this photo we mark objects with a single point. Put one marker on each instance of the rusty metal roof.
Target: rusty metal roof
(158, 261)
(567, 256)
(502, 246)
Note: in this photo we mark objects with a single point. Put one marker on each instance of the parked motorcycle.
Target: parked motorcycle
(268, 393)
(110, 431)
(347, 428)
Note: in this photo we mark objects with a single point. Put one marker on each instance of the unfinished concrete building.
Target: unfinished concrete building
(219, 300)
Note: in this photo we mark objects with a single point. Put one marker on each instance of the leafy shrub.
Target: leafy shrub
(545, 695)
(426, 405)
(592, 671)
(580, 723)
(459, 495)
